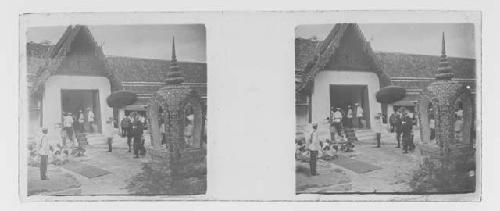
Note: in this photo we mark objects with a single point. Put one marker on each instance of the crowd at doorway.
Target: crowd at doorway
(77, 123)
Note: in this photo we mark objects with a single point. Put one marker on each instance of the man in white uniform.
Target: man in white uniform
(359, 115)
(337, 121)
(314, 147)
(68, 128)
(90, 120)
(43, 151)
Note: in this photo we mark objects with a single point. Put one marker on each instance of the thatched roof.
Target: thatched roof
(142, 76)
(410, 65)
(393, 64)
(153, 70)
(139, 75)
(75, 39)
(311, 62)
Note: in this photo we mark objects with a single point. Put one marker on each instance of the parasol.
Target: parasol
(390, 94)
(121, 98)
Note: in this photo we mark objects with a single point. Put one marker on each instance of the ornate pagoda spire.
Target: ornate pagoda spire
(444, 71)
(174, 75)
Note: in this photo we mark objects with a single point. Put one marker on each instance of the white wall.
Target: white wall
(52, 99)
(321, 90)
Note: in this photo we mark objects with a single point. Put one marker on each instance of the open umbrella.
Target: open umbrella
(390, 94)
(121, 98)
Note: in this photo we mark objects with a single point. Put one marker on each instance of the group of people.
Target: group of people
(402, 125)
(132, 127)
(77, 123)
(350, 117)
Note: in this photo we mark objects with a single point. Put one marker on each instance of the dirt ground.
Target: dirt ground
(120, 164)
(394, 175)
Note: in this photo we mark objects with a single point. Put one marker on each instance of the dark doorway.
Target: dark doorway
(344, 95)
(76, 100)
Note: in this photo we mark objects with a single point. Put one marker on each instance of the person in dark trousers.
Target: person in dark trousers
(407, 132)
(314, 147)
(68, 128)
(110, 132)
(397, 128)
(337, 121)
(378, 127)
(392, 121)
(125, 125)
(130, 133)
(137, 130)
(44, 154)
(76, 125)
(81, 121)
(350, 115)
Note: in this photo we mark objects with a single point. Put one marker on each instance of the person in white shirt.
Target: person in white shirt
(90, 120)
(68, 128)
(314, 147)
(44, 151)
(81, 121)
(359, 115)
(349, 116)
(337, 121)
(378, 127)
(432, 126)
(111, 131)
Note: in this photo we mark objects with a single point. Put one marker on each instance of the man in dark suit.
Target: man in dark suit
(407, 132)
(125, 125)
(129, 132)
(137, 130)
(398, 127)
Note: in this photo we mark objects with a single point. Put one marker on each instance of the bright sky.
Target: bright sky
(142, 41)
(419, 38)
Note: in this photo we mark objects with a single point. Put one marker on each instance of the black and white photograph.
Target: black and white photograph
(386, 108)
(116, 110)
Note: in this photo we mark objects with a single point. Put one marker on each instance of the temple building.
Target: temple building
(344, 69)
(74, 75)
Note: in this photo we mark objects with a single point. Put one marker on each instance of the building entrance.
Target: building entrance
(341, 96)
(87, 101)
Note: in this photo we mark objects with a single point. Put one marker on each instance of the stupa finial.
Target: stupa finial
(444, 71)
(174, 75)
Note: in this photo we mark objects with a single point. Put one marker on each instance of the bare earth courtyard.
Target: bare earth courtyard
(394, 173)
(117, 168)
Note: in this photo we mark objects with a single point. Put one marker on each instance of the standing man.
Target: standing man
(68, 128)
(81, 121)
(349, 116)
(332, 129)
(337, 121)
(407, 130)
(44, 154)
(125, 125)
(137, 130)
(130, 132)
(76, 126)
(332, 110)
(392, 121)
(432, 126)
(111, 131)
(398, 127)
(314, 147)
(90, 119)
(359, 115)
(378, 127)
